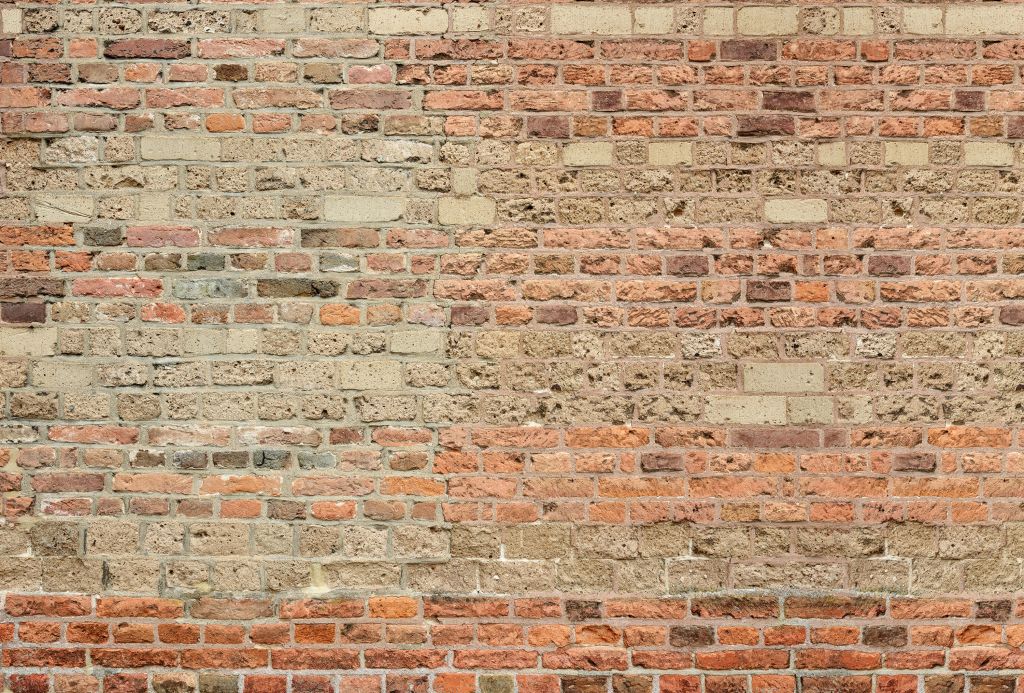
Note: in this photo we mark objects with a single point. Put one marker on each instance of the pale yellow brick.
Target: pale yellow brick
(396, 21)
(464, 181)
(35, 341)
(670, 153)
(746, 409)
(906, 153)
(180, 148)
(795, 211)
(464, 211)
(50, 374)
(282, 20)
(471, 18)
(363, 208)
(62, 207)
(767, 21)
(653, 20)
(154, 207)
(858, 21)
(783, 377)
(589, 18)
(415, 342)
(1004, 19)
(832, 154)
(922, 20)
(370, 375)
(718, 21)
(809, 410)
(588, 154)
(11, 20)
(988, 154)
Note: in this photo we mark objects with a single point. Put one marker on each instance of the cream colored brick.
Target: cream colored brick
(653, 20)
(10, 20)
(718, 21)
(589, 18)
(922, 20)
(471, 18)
(363, 208)
(415, 342)
(464, 181)
(795, 211)
(906, 153)
(988, 154)
(282, 20)
(395, 21)
(180, 148)
(62, 207)
(61, 375)
(464, 211)
(809, 410)
(154, 207)
(767, 21)
(746, 410)
(832, 154)
(858, 21)
(670, 153)
(1002, 19)
(588, 154)
(370, 375)
(22, 341)
(783, 377)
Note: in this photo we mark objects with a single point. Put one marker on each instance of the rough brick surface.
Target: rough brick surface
(511, 346)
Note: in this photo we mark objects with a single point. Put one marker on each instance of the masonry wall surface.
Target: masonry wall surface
(512, 347)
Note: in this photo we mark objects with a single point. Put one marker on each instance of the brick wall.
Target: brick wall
(512, 347)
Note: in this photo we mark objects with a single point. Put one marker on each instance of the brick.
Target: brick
(988, 154)
(370, 375)
(588, 154)
(767, 21)
(63, 207)
(746, 410)
(967, 20)
(795, 211)
(359, 209)
(179, 148)
(922, 20)
(395, 21)
(858, 21)
(457, 211)
(585, 18)
(670, 153)
(906, 153)
(783, 377)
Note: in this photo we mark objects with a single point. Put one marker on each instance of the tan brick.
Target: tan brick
(370, 375)
(653, 20)
(1002, 19)
(415, 342)
(466, 211)
(397, 21)
(906, 153)
(180, 148)
(922, 20)
(363, 208)
(590, 18)
(858, 21)
(988, 154)
(809, 410)
(37, 341)
(11, 20)
(280, 20)
(471, 19)
(783, 377)
(670, 153)
(718, 21)
(588, 154)
(742, 409)
(767, 21)
(832, 154)
(795, 211)
(63, 207)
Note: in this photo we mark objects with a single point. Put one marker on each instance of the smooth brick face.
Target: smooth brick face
(515, 347)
